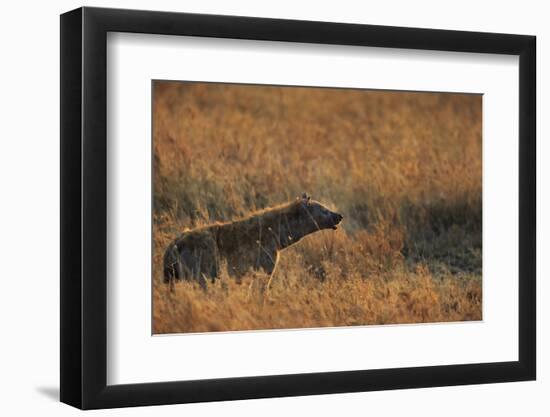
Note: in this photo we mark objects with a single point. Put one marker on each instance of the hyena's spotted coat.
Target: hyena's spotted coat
(251, 243)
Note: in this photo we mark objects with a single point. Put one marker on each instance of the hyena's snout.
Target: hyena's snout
(336, 219)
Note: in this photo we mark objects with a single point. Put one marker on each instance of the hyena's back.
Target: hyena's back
(192, 256)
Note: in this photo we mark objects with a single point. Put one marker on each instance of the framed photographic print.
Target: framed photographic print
(257, 208)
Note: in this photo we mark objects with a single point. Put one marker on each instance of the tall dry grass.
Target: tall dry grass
(403, 168)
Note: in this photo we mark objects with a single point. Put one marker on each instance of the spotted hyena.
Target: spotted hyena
(252, 243)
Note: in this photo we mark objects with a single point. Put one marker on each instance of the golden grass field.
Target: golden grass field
(405, 170)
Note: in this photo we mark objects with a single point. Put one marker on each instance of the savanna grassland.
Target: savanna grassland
(405, 170)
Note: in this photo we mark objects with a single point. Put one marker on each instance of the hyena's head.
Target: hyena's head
(315, 216)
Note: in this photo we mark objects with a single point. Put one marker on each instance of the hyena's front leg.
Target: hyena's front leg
(267, 260)
(269, 263)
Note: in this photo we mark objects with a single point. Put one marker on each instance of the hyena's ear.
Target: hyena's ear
(305, 198)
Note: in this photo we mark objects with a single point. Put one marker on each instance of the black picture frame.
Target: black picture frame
(84, 207)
